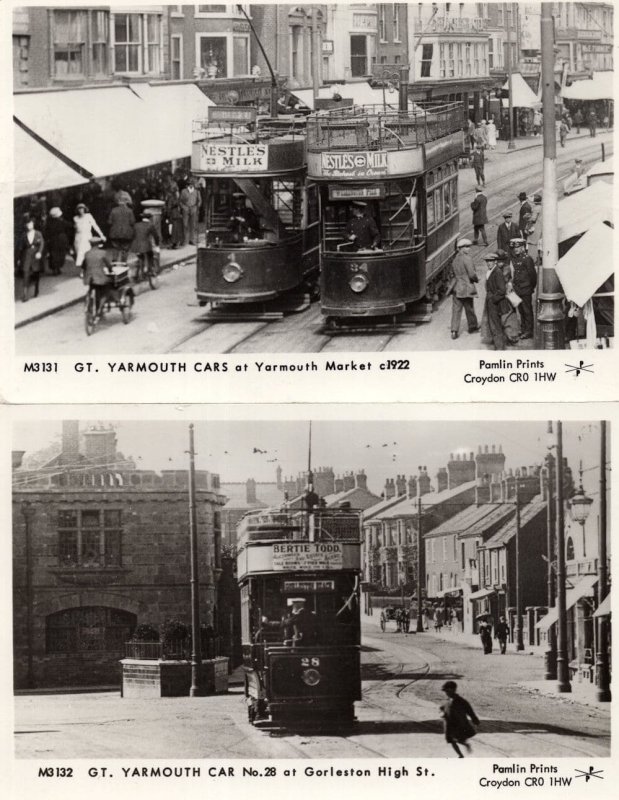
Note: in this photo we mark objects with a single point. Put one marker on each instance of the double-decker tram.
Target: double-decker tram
(389, 208)
(261, 215)
(300, 620)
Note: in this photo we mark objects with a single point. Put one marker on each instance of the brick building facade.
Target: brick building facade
(98, 548)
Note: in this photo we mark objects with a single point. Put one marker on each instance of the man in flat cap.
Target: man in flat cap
(361, 229)
(524, 281)
(464, 289)
(497, 303)
(480, 217)
(506, 231)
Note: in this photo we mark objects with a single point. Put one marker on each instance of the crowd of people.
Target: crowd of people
(59, 228)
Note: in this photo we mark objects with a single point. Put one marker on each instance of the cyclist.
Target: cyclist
(145, 244)
(97, 270)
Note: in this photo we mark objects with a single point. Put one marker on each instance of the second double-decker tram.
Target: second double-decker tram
(261, 213)
(389, 206)
(300, 618)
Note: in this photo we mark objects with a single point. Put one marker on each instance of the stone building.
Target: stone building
(98, 548)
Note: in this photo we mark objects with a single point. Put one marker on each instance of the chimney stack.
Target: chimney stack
(423, 481)
(412, 486)
(349, 481)
(442, 479)
(361, 480)
(389, 488)
(339, 485)
(489, 463)
(400, 485)
(461, 470)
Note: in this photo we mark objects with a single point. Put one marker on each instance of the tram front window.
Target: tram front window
(243, 222)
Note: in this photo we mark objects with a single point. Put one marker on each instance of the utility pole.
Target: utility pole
(518, 631)
(551, 317)
(419, 543)
(197, 689)
(509, 12)
(563, 678)
(601, 659)
(550, 656)
(316, 55)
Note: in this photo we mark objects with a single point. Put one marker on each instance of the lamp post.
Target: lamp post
(196, 689)
(518, 631)
(550, 656)
(601, 656)
(419, 542)
(563, 679)
(510, 81)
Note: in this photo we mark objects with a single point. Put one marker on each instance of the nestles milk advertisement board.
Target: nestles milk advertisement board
(217, 157)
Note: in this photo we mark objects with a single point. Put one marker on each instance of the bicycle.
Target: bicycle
(148, 267)
(117, 292)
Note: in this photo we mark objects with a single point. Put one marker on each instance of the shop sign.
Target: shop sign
(327, 47)
(291, 556)
(232, 115)
(372, 192)
(365, 21)
(233, 157)
(363, 164)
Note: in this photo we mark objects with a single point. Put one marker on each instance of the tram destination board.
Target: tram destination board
(371, 192)
(292, 587)
(230, 115)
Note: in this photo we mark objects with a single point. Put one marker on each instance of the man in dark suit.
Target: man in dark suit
(478, 166)
(30, 258)
(524, 214)
(145, 243)
(97, 269)
(361, 230)
(524, 281)
(497, 303)
(506, 231)
(480, 217)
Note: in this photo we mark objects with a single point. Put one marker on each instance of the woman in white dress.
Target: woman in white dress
(491, 130)
(85, 224)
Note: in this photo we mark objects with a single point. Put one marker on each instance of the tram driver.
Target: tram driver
(243, 221)
(361, 230)
(300, 623)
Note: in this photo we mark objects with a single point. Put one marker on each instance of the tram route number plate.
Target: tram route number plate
(307, 555)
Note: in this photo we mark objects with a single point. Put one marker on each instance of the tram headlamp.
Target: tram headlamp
(232, 272)
(310, 677)
(359, 282)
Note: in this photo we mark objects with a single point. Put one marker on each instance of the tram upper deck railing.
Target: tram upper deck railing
(262, 130)
(323, 524)
(377, 128)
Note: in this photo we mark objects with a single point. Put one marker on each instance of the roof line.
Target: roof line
(54, 151)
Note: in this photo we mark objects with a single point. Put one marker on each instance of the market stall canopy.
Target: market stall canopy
(36, 169)
(113, 129)
(600, 87)
(522, 94)
(481, 593)
(603, 609)
(588, 264)
(580, 211)
(582, 589)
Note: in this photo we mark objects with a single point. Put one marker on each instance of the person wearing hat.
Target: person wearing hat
(122, 227)
(243, 221)
(299, 624)
(506, 231)
(478, 165)
(145, 243)
(524, 281)
(361, 230)
(523, 214)
(497, 303)
(85, 228)
(464, 289)
(190, 201)
(480, 216)
(97, 269)
(58, 238)
(534, 228)
(30, 257)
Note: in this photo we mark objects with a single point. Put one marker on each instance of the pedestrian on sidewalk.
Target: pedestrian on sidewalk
(122, 226)
(537, 122)
(524, 281)
(85, 228)
(457, 716)
(190, 201)
(523, 214)
(562, 132)
(478, 166)
(506, 231)
(175, 218)
(592, 121)
(485, 634)
(492, 134)
(30, 258)
(145, 244)
(464, 289)
(535, 228)
(57, 236)
(578, 120)
(439, 617)
(501, 634)
(480, 217)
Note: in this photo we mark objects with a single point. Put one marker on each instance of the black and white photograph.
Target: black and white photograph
(316, 588)
(344, 177)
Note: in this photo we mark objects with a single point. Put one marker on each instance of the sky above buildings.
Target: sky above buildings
(238, 450)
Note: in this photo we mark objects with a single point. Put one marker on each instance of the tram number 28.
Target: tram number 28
(310, 662)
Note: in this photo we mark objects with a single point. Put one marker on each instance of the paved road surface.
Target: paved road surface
(169, 320)
(402, 676)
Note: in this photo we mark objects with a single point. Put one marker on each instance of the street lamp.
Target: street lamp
(550, 656)
(563, 678)
(419, 542)
(601, 657)
(518, 631)
(197, 688)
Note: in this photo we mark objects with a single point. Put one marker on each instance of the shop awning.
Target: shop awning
(582, 210)
(113, 129)
(588, 264)
(522, 94)
(603, 610)
(582, 589)
(446, 592)
(480, 594)
(600, 87)
(36, 169)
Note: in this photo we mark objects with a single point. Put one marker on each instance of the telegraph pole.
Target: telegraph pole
(316, 55)
(510, 80)
(550, 656)
(601, 659)
(563, 678)
(419, 542)
(551, 317)
(197, 689)
(518, 631)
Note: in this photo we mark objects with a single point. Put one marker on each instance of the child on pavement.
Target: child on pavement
(456, 712)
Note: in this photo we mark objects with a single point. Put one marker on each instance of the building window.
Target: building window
(176, 57)
(100, 27)
(89, 538)
(69, 31)
(127, 42)
(89, 629)
(444, 548)
(432, 552)
(240, 55)
(396, 23)
(176, 11)
(441, 61)
(463, 555)
(212, 9)
(153, 41)
(426, 60)
(295, 51)
(21, 48)
(358, 56)
(491, 52)
(382, 22)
